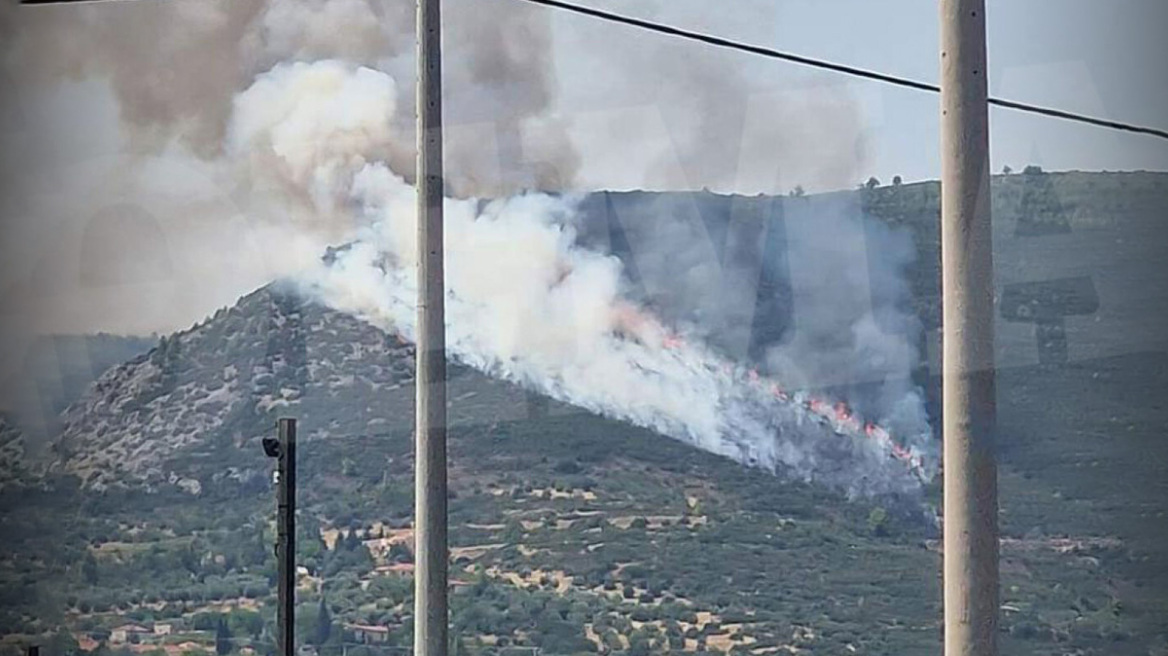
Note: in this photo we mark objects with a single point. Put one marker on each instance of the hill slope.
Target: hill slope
(573, 533)
(222, 383)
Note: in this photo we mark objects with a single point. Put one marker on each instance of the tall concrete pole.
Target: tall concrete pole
(430, 611)
(967, 292)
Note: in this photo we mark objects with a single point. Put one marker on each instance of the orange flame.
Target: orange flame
(638, 325)
(778, 392)
(627, 318)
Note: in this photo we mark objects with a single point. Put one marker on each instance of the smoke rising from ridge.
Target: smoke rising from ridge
(101, 93)
(300, 129)
(176, 67)
(528, 303)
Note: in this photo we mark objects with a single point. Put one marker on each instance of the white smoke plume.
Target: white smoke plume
(175, 69)
(527, 303)
(124, 90)
(291, 110)
(512, 95)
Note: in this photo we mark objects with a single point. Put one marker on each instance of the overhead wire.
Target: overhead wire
(844, 69)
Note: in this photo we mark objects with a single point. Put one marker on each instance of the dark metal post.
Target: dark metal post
(286, 538)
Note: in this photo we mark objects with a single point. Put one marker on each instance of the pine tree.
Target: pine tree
(89, 568)
(324, 623)
(222, 637)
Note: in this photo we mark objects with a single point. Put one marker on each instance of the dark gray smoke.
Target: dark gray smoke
(806, 290)
(176, 67)
(117, 104)
(151, 210)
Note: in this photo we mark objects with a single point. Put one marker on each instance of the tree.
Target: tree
(89, 568)
(61, 643)
(872, 183)
(1006, 170)
(222, 637)
(798, 192)
(351, 541)
(248, 622)
(897, 181)
(638, 643)
(1039, 208)
(400, 553)
(878, 521)
(513, 534)
(324, 623)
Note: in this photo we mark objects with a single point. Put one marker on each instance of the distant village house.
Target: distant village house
(123, 633)
(368, 634)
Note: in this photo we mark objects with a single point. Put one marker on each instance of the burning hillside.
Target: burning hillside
(531, 302)
(218, 385)
(527, 304)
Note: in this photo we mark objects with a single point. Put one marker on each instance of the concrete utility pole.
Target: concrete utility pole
(430, 614)
(967, 292)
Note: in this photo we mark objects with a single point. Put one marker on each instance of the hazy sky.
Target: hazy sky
(101, 234)
(1106, 59)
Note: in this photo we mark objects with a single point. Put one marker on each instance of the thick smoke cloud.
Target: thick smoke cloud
(129, 105)
(829, 283)
(238, 140)
(853, 329)
(526, 302)
(175, 69)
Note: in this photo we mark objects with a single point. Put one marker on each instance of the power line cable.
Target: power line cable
(837, 68)
(793, 58)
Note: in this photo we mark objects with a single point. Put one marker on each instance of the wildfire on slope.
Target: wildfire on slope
(528, 304)
(630, 322)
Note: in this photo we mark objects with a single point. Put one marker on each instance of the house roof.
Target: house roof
(367, 628)
(396, 568)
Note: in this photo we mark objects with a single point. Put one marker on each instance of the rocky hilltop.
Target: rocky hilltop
(221, 384)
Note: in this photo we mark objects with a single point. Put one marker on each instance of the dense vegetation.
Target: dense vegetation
(574, 534)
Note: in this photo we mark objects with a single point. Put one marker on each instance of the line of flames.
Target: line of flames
(646, 329)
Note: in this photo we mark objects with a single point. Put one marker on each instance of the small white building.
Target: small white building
(121, 634)
(369, 634)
